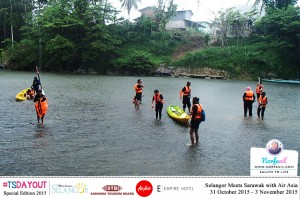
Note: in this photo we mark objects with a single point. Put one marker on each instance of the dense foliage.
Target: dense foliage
(271, 49)
(76, 35)
(71, 35)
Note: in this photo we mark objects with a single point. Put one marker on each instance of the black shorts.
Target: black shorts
(195, 123)
(138, 96)
(158, 107)
(186, 100)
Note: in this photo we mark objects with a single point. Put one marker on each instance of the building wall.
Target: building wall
(182, 15)
(179, 24)
(206, 28)
(148, 12)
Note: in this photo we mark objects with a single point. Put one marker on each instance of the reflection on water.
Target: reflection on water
(40, 131)
(92, 127)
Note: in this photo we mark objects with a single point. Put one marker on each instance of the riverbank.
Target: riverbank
(162, 71)
(202, 73)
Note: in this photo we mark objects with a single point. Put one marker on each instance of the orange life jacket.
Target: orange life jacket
(41, 107)
(198, 113)
(158, 99)
(263, 101)
(249, 96)
(187, 91)
(259, 88)
(138, 90)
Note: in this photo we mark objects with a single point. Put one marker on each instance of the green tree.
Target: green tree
(21, 56)
(61, 50)
(281, 29)
(164, 11)
(274, 3)
(143, 28)
(69, 34)
(12, 17)
(223, 20)
(128, 4)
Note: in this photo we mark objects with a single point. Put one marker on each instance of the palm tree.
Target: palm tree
(128, 4)
(274, 3)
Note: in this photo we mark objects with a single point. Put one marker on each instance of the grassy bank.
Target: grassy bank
(243, 61)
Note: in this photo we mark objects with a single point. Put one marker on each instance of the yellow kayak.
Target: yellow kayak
(21, 96)
(178, 114)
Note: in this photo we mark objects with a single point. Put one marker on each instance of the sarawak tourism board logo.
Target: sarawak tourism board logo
(113, 190)
(144, 188)
(79, 188)
(273, 160)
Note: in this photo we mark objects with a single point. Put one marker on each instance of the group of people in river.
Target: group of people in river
(249, 99)
(195, 111)
(36, 93)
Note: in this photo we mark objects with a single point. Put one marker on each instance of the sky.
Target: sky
(201, 12)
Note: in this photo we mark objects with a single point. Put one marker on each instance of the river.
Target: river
(93, 129)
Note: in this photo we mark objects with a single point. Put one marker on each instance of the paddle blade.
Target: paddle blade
(37, 70)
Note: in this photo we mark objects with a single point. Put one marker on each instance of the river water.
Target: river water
(93, 129)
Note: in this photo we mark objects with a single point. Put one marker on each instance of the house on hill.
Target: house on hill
(148, 11)
(181, 21)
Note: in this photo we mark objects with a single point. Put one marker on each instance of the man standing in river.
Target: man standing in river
(159, 103)
(195, 115)
(248, 99)
(185, 95)
(138, 87)
(259, 89)
(262, 103)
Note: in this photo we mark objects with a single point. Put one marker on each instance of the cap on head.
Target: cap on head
(248, 88)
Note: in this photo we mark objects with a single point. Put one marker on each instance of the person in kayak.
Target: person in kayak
(41, 106)
(36, 84)
(262, 104)
(30, 93)
(195, 116)
(249, 99)
(185, 95)
(138, 87)
(159, 101)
